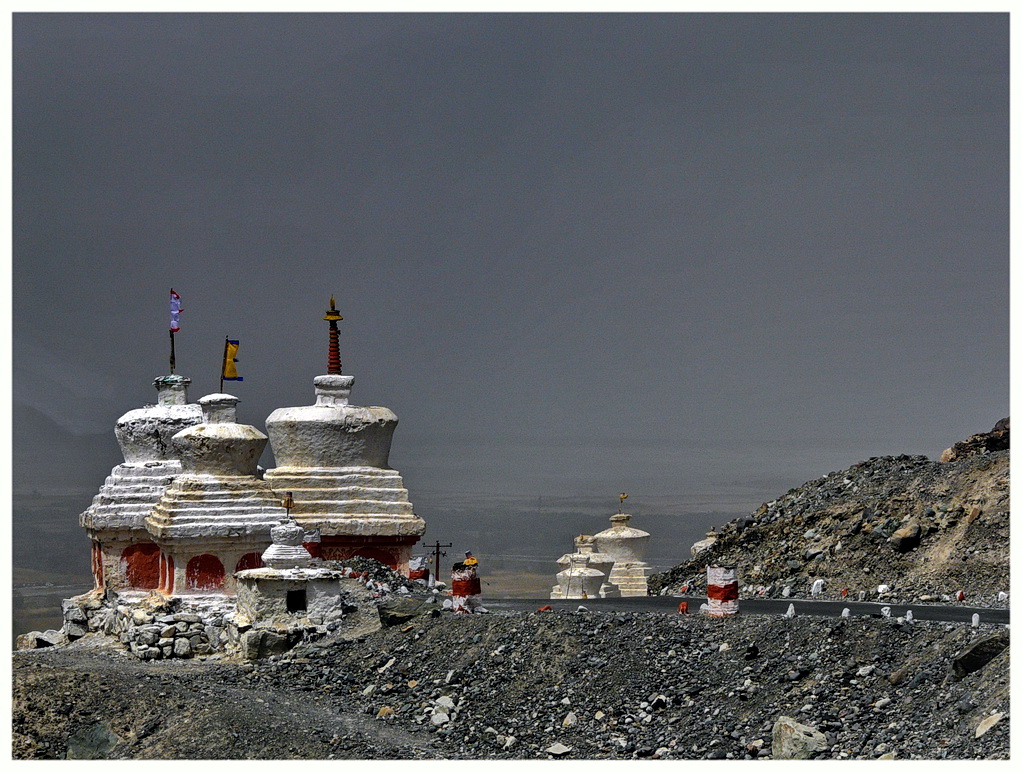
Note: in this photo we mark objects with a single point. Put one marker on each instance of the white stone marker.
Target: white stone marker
(466, 593)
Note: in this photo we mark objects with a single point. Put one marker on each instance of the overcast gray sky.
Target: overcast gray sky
(676, 255)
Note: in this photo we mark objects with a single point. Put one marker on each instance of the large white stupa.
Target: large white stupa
(124, 556)
(627, 546)
(333, 458)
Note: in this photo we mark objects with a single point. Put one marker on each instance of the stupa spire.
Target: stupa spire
(333, 360)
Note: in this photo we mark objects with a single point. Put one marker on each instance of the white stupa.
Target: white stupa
(579, 580)
(627, 546)
(333, 458)
(124, 556)
(215, 517)
(287, 590)
(586, 546)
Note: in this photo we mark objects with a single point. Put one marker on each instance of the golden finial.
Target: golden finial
(331, 314)
(288, 503)
(621, 501)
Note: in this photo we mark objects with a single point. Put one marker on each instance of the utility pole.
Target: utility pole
(436, 558)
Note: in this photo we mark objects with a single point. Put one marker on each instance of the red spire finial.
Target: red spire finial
(333, 361)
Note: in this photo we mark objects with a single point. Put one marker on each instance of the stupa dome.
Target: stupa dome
(218, 445)
(144, 434)
(150, 463)
(332, 433)
(621, 541)
(580, 580)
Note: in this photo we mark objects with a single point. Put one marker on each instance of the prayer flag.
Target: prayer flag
(175, 309)
(230, 371)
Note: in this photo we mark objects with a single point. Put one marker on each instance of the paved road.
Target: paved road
(665, 604)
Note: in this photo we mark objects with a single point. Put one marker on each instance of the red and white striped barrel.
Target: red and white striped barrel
(466, 592)
(417, 570)
(721, 591)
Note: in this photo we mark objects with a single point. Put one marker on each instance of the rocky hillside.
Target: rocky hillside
(538, 685)
(926, 529)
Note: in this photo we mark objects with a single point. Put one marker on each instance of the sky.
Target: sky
(700, 258)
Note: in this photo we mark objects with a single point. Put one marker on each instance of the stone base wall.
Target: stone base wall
(152, 626)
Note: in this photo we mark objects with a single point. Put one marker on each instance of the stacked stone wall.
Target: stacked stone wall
(151, 627)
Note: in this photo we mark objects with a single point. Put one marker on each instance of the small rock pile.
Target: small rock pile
(377, 578)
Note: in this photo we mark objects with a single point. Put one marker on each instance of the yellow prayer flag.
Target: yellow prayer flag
(230, 370)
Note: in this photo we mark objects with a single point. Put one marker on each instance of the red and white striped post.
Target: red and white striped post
(417, 570)
(466, 593)
(721, 591)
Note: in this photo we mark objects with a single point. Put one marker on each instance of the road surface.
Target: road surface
(668, 604)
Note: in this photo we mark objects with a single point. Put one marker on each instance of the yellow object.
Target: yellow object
(331, 314)
(230, 369)
(471, 562)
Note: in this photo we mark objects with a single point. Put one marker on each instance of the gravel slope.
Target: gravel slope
(615, 685)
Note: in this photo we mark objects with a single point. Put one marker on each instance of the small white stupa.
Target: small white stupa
(286, 591)
(215, 517)
(586, 546)
(333, 458)
(579, 580)
(124, 556)
(627, 546)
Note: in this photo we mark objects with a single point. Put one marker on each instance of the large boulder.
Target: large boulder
(94, 742)
(979, 654)
(396, 611)
(38, 640)
(997, 438)
(792, 740)
(702, 545)
(256, 644)
(906, 538)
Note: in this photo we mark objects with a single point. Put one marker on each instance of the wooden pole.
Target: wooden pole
(436, 558)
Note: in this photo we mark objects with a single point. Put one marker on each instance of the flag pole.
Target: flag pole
(172, 362)
(223, 366)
